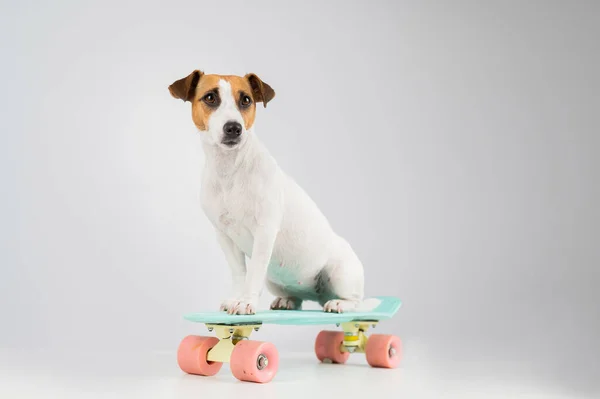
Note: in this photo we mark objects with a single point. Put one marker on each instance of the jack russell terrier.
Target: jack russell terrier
(261, 213)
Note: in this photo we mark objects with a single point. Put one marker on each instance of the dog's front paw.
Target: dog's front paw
(286, 304)
(243, 307)
(238, 306)
(228, 304)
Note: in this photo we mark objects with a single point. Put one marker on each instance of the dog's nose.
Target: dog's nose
(232, 129)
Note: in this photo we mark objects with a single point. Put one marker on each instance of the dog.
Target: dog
(258, 211)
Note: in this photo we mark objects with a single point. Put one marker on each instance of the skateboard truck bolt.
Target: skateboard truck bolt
(262, 361)
(210, 329)
(231, 330)
(256, 328)
(392, 351)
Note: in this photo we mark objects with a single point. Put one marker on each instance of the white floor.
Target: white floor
(91, 374)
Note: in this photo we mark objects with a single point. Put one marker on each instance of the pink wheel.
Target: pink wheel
(191, 355)
(327, 347)
(254, 361)
(384, 351)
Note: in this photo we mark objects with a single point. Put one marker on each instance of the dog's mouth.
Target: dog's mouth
(231, 142)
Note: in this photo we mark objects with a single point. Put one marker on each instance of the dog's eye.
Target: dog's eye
(245, 101)
(209, 98)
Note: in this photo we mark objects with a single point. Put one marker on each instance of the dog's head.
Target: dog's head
(223, 107)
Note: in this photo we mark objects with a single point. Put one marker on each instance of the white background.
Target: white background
(454, 145)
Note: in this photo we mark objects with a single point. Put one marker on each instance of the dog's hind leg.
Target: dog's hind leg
(286, 303)
(283, 300)
(340, 285)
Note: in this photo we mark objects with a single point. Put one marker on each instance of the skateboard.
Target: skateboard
(256, 361)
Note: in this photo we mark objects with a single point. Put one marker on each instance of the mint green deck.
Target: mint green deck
(385, 310)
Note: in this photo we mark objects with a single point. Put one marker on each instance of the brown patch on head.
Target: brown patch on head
(241, 90)
(201, 111)
(197, 86)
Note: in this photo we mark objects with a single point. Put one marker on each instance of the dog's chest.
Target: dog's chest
(228, 205)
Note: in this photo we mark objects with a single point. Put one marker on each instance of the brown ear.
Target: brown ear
(260, 90)
(185, 88)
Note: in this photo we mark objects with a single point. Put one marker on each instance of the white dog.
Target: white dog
(261, 213)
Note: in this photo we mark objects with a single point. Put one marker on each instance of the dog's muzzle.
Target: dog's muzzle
(231, 133)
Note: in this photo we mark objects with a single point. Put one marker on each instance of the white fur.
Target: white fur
(261, 213)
